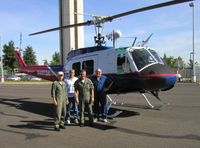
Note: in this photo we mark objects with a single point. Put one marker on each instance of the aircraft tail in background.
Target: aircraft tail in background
(42, 71)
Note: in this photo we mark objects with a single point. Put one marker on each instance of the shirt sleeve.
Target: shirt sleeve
(66, 94)
(91, 85)
(53, 90)
(66, 84)
(76, 85)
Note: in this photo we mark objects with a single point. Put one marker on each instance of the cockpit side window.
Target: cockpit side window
(142, 58)
(123, 64)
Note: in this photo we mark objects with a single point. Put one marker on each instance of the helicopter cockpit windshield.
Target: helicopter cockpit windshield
(156, 56)
(142, 58)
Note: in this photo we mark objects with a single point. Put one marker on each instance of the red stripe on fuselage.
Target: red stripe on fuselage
(158, 75)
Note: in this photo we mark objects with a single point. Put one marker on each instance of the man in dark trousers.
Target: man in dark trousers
(59, 96)
(101, 86)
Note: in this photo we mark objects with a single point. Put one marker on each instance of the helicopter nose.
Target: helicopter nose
(160, 76)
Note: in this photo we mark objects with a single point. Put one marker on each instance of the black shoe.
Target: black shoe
(62, 126)
(57, 129)
(81, 125)
(91, 124)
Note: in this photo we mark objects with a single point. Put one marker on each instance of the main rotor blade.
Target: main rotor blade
(146, 8)
(110, 18)
(63, 27)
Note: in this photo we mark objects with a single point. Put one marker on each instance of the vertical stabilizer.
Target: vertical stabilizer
(19, 59)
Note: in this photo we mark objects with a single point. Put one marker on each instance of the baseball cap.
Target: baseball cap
(60, 73)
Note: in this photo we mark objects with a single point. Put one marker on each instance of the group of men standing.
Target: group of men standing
(80, 94)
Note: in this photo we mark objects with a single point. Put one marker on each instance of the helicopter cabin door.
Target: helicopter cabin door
(123, 64)
(88, 63)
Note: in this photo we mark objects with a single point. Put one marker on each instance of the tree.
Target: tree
(55, 59)
(179, 63)
(45, 62)
(29, 56)
(9, 60)
(172, 62)
(190, 64)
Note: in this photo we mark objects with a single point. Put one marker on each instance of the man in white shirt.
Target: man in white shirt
(70, 91)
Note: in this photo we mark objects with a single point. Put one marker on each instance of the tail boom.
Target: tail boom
(42, 71)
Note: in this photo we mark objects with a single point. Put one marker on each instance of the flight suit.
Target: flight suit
(58, 91)
(85, 91)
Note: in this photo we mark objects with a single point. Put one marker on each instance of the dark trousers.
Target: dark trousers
(100, 106)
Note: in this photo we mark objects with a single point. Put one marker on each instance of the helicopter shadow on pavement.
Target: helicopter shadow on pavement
(40, 108)
(112, 114)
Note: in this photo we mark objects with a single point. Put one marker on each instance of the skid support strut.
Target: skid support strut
(145, 97)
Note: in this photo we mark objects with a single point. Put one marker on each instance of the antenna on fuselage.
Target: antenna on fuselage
(113, 36)
(134, 41)
(143, 43)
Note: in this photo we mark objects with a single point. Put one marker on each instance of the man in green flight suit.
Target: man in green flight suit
(84, 96)
(59, 96)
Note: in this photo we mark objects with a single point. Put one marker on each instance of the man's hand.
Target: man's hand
(91, 100)
(55, 102)
(67, 101)
(76, 100)
(76, 94)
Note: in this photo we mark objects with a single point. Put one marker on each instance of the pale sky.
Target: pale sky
(171, 26)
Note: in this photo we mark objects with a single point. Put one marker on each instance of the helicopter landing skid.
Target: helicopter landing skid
(149, 103)
(145, 97)
(110, 102)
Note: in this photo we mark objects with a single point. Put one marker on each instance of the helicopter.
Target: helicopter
(132, 68)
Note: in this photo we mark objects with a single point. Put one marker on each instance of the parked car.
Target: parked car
(35, 79)
(14, 78)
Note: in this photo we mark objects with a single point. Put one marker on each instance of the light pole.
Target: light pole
(192, 4)
(1, 62)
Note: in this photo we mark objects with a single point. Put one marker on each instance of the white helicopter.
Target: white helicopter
(132, 69)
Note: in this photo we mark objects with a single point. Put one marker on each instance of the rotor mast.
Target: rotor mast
(98, 24)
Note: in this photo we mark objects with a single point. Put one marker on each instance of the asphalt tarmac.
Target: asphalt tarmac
(26, 121)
